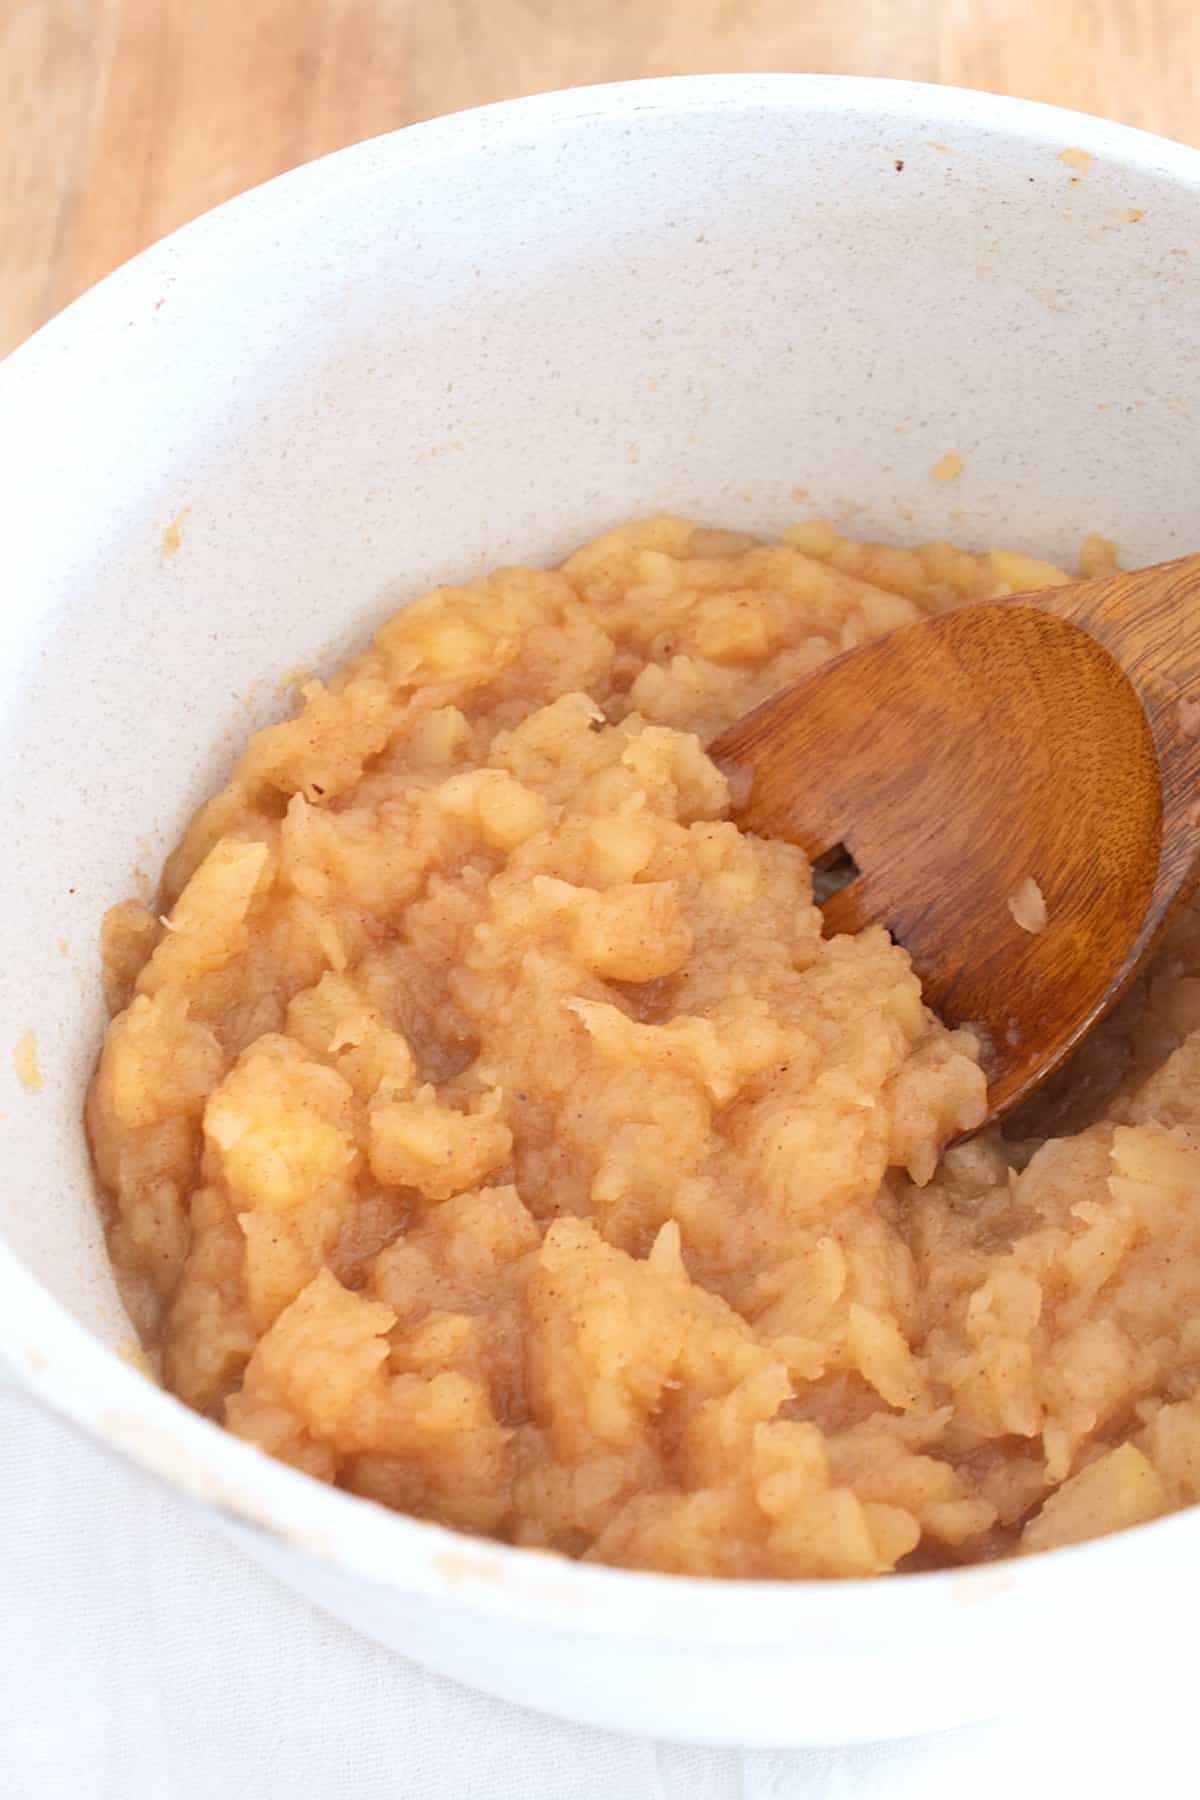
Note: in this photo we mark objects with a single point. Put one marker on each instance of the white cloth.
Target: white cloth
(143, 1658)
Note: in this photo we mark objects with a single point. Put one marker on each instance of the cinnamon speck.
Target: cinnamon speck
(1133, 214)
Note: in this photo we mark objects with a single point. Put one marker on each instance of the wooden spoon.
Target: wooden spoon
(1050, 737)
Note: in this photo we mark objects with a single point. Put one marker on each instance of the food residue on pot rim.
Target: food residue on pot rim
(131, 1352)
(171, 536)
(26, 1064)
(947, 467)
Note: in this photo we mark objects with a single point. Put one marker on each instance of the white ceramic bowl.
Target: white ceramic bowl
(484, 339)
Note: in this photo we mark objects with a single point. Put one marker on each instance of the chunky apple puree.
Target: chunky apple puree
(485, 1125)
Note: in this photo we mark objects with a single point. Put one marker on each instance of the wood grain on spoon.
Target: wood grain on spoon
(1050, 736)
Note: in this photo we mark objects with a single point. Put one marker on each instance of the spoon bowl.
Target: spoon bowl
(1011, 790)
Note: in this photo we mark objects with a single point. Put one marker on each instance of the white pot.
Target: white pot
(481, 340)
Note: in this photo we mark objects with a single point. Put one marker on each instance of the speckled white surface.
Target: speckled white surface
(482, 340)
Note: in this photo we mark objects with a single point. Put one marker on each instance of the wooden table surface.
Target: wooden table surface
(120, 119)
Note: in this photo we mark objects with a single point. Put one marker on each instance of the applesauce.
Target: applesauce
(485, 1126)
